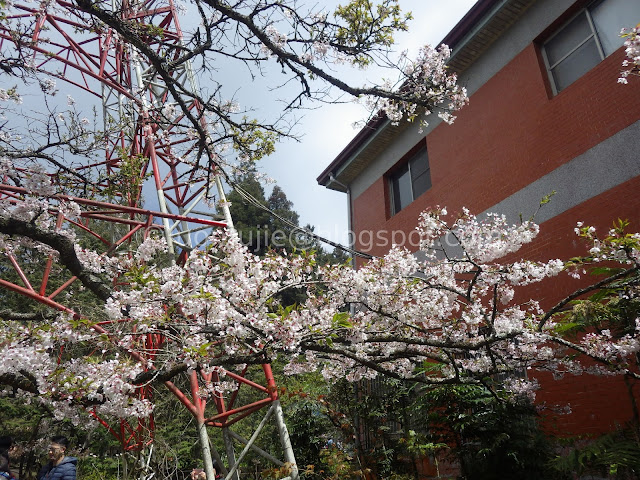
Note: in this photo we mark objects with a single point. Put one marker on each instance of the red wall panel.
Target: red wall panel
(511, 134)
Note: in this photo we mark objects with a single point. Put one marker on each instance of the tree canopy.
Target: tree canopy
(160, 310)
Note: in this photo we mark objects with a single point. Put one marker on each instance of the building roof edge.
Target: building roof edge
(452, 39)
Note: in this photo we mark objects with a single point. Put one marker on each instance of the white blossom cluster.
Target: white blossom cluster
(230, 292)
(48, 86)
(10, 95)
(67, 383)
(394, 315)
(277, 38)
(426, 78)
(632, 50)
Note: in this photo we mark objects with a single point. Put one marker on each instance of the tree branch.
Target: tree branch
(7, 314)
(64, 246)
(578, 293)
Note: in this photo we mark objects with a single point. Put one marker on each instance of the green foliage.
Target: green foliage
(492, 438)
(336, 256)
(543, 201)
(321, 433)
(154, 31)
(381, 413)
(252, 140)
(33, 264)
(11, 92)
(286, 217)
(615, 306)
(263, 231)
(309, 420)
(93, 467)
(547, 198)
(341, 320)
(617, 239)
(176, 443)
(367, 25)
(250, 220)
(616, 454)
(615, 313)
(31, 425)
(24, 422)
(260, 230)
(337, 463)
(420, 445)
(127, 182)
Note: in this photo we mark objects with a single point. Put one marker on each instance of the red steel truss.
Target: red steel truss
(59, 39)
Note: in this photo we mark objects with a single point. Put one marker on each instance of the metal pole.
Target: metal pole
(223, 202)
(206, 450)
(257, 449)
(231, 455)
(285, 440)
(253, 438)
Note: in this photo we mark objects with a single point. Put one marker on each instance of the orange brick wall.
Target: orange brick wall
(597, 403)
(512, 133)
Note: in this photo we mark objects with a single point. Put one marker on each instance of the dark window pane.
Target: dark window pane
(576, 65)
(420, 175)
(421, 184)
(568, 38)
(410, 181)
(401, 187)
(609, 17)
(419, 163)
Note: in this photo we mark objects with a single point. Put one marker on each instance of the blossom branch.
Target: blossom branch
(64, 246)
(558, 307)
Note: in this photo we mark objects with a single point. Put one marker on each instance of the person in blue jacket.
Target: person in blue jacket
(60, 467)
(5, 473)
(6, 446)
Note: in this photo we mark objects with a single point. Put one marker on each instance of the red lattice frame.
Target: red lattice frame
(88, 58)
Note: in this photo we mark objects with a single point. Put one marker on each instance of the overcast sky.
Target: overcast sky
(327, 130)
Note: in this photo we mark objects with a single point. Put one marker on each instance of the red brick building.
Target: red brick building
(546, 114)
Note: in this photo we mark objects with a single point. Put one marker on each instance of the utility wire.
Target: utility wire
(257, 203)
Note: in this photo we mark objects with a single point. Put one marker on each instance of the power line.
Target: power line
(255, 202)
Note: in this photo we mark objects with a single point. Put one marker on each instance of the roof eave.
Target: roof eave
(455, 39)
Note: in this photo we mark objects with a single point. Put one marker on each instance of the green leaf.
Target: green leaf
(341, 319)
(605, 271)
(547, 198)
(567, 327)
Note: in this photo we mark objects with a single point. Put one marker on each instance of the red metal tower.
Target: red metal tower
(65, 42)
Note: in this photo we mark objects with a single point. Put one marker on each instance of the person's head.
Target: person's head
(8, 446)
(6, 442)
(57, 448)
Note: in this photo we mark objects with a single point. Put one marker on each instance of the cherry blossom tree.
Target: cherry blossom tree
(447, 316)
(53, 153)
(444, 319)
